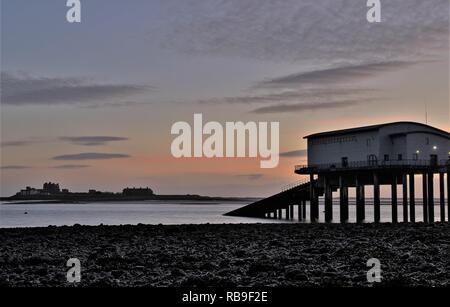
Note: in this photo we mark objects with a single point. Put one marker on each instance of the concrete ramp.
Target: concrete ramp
(290, 196)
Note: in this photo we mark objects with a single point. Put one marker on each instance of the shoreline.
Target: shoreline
(224, 255)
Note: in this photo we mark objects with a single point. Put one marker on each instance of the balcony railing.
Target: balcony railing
(374, 164)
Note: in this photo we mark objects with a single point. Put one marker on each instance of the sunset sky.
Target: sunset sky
(91, 105)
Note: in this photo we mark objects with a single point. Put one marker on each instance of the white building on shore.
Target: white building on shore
(407, 142)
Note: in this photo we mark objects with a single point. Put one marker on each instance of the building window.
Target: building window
(400, 157)
(372, 159)
(386, 157)
(344, 161)
(434, 160)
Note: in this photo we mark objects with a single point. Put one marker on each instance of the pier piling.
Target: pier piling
(430, 198)
(448, 197)
(442, 196)
(412, 199)
(376, 198)
(314, 200)
(299, 212)
(405, 197)
(394, 199)
(328, 201)
(343, 200)
(425, 197)
(360, 202)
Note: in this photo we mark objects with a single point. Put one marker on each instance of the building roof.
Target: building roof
(376, 127)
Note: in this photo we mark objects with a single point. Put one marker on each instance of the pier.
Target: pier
(325, 179)
(362, 175)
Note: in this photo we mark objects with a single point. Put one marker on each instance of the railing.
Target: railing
(374, 164)
(294, 185)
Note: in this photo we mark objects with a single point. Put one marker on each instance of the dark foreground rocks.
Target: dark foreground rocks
(227, 255)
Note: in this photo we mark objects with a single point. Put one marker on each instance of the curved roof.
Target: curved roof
(376, 127)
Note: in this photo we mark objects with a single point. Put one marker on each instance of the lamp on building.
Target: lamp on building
(434, 147)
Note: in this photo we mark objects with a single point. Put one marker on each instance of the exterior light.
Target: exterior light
(434, 147)
(417, 151)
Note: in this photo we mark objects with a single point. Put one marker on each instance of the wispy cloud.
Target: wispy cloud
(14, 167)
(341, 74)
(294, 153)
(90, 156)
(285, 108)
(290, 95)
(71, 166)
(92, 140)
(308, 31)
(23, 89)
(250, 176)
(15, 143)
(314, 90)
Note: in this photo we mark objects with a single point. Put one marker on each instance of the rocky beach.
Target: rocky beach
(313, 255)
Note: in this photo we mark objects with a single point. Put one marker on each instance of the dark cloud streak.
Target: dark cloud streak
(294, 153)
(92, 140)
(90, 156)
(251, 176)
(21, 89)
(340, 74)
(286, 108)
(71, 166)
(14, 167)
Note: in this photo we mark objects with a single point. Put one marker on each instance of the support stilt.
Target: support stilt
(304, 210)
(376, 198)
(405, 197)
(343, 198)
(430, 198)
(314, 202)
(442, 196)
(425, 197)
(328, 201)
(360, 202)
(448, 196)
(394, 199)
(412, 199)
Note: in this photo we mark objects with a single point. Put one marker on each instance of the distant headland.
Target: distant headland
(51, 192)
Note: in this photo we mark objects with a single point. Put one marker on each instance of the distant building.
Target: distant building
(29, 191)
(137, 192)
(51, 188)
(398, 141)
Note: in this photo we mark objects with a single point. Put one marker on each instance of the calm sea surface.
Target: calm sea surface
(167, 213)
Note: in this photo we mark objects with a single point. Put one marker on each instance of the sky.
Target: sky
(91, 104)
